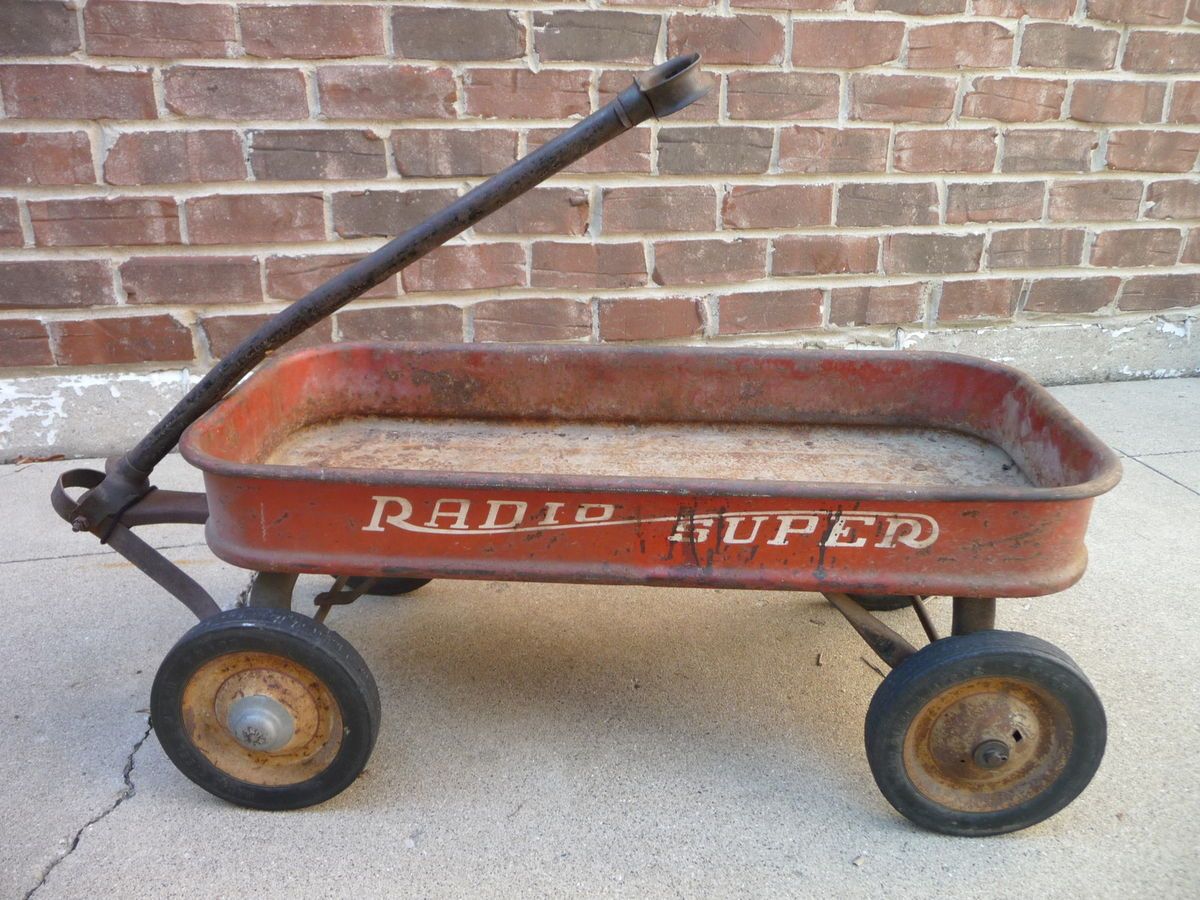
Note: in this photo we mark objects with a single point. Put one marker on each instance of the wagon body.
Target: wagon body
(874, 472)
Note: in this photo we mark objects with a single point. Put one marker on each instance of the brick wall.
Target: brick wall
(869, 170)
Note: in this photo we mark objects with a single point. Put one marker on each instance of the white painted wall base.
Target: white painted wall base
(100, 415)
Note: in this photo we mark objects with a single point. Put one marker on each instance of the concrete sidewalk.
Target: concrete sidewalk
(553, 740)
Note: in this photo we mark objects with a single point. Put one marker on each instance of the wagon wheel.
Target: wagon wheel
(387, 587)
(882, 602)
(984, 733)
(266, 708)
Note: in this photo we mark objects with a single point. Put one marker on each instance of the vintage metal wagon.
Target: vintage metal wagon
(878, 479)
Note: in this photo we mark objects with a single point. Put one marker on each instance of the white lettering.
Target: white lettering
(459, 515)
(732, 526)
(786, 528)
(494, 506)
(843, 527)
(381, 503)
(551, 516)
(691, 531)
(911, 537)
(603, 512)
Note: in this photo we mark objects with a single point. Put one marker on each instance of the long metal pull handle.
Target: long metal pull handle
(661, 91)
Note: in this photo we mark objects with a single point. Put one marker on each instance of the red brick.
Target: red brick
(1136, 247)
(928, 253)
(1138, 12)
(709, 262)
(1105, 201)
(997, 201)
(764, 312)
(541, 211)
(1153, 151)
(1035, 248)
(1050, 45)
(1173, 199)
(255, 219)
(850, 44)
(45, 159)
(385, 92)
(440, 322)
(783, 95)
(825, 254)
(521, 94)
(1191, 250)
(55, 284)
(811, 149)
(316, 154)
(38, 91)
(241, 93)
(302, 31)
(1035, 9)
(37, 28)
(889, 305)
(877, 203)
(456, 35)
(223, 333)
(1071, 295)
(584, 266)
(191, 280)
(1048, 150)
(467, 267)
(175, 157)
(943, 150)
(960, 45)
(532, 319)
(594, 36)
(1014, 99)
(727, 40)
(912, 7)
(674, 208)
(1160, 292)
(163, 30)
(1185, 103)
(901, 98)
(95, 222)
(636, 319)
(1117, 101)
(629, 153)
(24, 342)
(441, 152)
(385, 213)
(730, 150)
(799, 5)
(993, 298)
(128, 339)
(1169, 52)
(778, 205)
(10, 223)
(291, 277)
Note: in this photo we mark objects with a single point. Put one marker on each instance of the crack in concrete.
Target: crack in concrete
(128, 791)
(1165, 475)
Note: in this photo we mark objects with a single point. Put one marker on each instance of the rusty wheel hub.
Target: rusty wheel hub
(988, 744)
(261, 718)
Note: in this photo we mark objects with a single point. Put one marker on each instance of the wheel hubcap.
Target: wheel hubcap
(261, 723)
(988, 744)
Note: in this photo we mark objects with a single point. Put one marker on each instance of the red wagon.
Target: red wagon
(878, 479)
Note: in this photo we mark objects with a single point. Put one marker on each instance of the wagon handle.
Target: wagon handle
(663, 90)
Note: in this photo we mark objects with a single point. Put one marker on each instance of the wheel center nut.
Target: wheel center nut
(991, 754)
(261, 723)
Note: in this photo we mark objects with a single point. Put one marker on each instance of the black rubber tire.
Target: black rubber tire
(388, 587)
(951, 661)
(882, 602)
(298, 638)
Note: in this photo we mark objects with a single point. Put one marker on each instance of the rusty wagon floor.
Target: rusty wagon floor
(823, 453)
